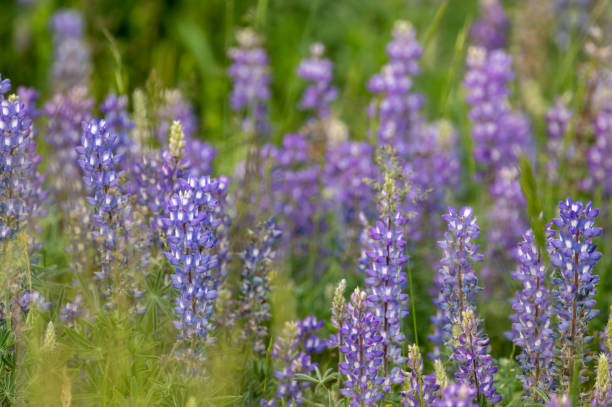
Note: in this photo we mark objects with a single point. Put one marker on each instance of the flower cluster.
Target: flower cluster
(347, 166)
(318, 71)
(397, 104)
(456, 280)
(599, 155)
(475, 366)
(491, 30)
(457, 395)
(292, 350)
(99, 162)
(557, 120)
(18, 163)
(295, 184)
(531, 322)
(115, 113)
(65, 113)
(190, 222)
(71, 56)
(383, 260)
(73, 311)
(494, 128)
(574, 255)
(253, 302)
(500, 137)
(363, 353)
(420, 390)
(250, 76)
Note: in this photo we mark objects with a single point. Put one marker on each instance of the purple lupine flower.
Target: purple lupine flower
(250, 77)
(363, 354)
(506, 217)
(531, 325)
(456, 279)
(457, 395)
(29, 97)
(347, 166)
(190, 222)
(397, 105)
(295, 186)
(26, 300)
(288, 352)
(99, 162)
(420, 390)
(599, 155)
(253, 302)
(500, 136)
(557, 120)
(558, 401)
(154, 178)
(574, 255)
(383, 261)
(65, 113)
(71, 56)
(73, 311)
(115, 113)
(434, 168)
(487, 81)
(307, 329)
(19, 179)
(5, 85)
(318, 72)
(491, 30)
(475, 365)
(200, 155)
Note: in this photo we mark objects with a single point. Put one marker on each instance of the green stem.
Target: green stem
(414, 320)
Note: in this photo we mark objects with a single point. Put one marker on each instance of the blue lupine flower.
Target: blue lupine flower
(457, 395)
(318, 71)
(419, 390)
(253, 302)
(531, 325)
(475, 365)
(456, 280)
(574, 255)
(190, 222)
(363, 353)
(250, 77)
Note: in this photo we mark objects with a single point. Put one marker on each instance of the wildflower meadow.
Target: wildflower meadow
(286, 203)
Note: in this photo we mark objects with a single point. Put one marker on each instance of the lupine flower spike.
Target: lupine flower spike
(253, 303)
(531, 325)
(574, 255)
(457, 395)
(190, 223)
(419, 390)
(362, 352)
(384, 259)
(456, 279)
(475, 366)
(318, 72)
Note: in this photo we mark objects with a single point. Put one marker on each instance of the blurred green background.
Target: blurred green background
(184, 43)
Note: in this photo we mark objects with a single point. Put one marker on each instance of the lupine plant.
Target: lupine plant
(573, 254)
(383, 261)
(531, 321)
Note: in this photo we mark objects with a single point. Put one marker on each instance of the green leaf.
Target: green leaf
(534, 205)
(196, 41)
